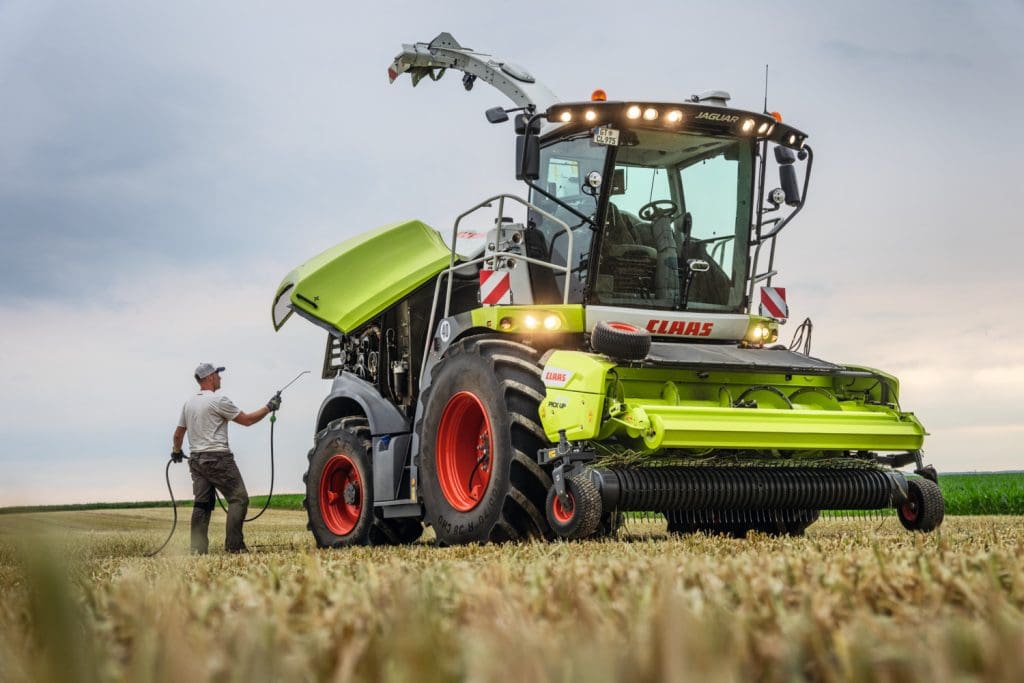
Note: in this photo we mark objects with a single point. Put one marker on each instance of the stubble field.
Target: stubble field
(859, 600)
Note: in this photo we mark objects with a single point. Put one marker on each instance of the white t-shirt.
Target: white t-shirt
(206, 416)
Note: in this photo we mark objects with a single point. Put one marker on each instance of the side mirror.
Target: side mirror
(527, 148)
(527, 157)
(787, 175)
(791, 189)
(496, 115)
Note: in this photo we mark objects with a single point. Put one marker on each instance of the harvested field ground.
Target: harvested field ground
(858, 600)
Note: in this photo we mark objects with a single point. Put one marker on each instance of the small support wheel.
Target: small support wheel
(620, 340)
(582, 517)
(924, 508)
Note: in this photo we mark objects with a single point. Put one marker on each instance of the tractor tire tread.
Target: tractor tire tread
(932, 506)
(514, 366)
(587, 509)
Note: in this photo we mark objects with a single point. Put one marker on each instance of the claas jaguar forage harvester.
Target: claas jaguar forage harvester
(593, 348)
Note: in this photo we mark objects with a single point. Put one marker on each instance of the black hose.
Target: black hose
(220, 502)
(174, 506)
(273, 421)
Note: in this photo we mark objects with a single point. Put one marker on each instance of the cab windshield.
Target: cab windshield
(676, 228)
(677, 224)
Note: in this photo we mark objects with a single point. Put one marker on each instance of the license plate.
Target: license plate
(606, 136)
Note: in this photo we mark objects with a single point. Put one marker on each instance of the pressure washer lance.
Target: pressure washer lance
(170, 491)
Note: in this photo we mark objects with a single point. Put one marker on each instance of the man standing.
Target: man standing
(205, 418)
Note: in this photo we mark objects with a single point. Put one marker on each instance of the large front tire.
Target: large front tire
(479, 436)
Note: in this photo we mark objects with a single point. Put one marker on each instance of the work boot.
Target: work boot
(238, 551)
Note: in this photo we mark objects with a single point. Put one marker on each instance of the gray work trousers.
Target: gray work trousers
(217, 470)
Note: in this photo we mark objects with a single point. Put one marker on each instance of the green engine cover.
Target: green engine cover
(357, 279)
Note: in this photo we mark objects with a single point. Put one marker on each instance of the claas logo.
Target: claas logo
(680, 328)
(556, 377)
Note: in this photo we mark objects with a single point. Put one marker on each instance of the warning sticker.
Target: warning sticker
(773, 303)
(495, 287)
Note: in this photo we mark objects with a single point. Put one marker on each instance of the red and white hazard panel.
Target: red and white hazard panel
(495, 287)
(773, 303)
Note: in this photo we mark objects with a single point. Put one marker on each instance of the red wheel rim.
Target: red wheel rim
(909, 510)
(464, 451)
(562, 514)
(341, 495)
(623, 327)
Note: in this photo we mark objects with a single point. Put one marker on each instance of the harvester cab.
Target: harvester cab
(595, 348)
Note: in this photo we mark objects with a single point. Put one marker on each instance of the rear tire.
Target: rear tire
(339, 491)
(479, 436)
(924, 508)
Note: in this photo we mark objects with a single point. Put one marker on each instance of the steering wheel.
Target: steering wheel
(659, 208)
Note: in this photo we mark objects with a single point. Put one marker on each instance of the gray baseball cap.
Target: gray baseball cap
(206, 369)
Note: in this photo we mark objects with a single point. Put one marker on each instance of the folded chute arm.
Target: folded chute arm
(430, 60)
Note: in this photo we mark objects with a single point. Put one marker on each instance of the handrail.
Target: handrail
(778, 223)
(449, 272)
(756, 277)
(500, 198)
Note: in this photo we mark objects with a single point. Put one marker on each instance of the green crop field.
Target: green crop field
(999, 493)
(857, 600)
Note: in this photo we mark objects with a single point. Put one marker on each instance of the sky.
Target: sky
(164, 165)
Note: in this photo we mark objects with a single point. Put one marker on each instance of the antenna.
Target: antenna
(765, 88)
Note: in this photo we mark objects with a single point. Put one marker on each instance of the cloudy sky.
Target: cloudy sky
(163, 165)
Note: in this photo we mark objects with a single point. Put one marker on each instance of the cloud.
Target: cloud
(895, 58)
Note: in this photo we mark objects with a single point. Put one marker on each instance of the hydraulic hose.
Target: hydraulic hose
(174, 507)
(273, 419)
(270, 494)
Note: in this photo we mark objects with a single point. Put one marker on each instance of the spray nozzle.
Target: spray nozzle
(304, 372)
